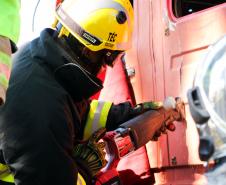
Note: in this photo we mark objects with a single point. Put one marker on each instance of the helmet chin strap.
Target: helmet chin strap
(93, 61)
(82, 55)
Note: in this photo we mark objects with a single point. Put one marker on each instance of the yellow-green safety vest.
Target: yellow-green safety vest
(9, 28)
(10, 19)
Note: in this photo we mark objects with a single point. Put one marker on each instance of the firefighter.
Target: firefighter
(207, 102)
(9, 33)
(53, 76)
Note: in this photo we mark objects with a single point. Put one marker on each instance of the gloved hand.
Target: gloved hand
(163, 130)
(176, 112)
(151, 105)
(90, 155)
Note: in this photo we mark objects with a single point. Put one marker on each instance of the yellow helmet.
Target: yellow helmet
(98, 24)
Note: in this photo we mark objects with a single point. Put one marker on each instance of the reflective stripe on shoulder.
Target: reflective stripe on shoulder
(3, 80)
(5, 59)
(80, 180)
(5, 174)
(5, 68)
(97, 117)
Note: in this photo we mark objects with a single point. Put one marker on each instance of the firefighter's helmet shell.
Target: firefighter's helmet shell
(98, 24)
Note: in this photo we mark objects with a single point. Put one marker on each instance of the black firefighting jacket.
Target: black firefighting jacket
(46, 104)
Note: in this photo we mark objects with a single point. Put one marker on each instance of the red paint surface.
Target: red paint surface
(165, 66)
(134, 168)
(165, 55)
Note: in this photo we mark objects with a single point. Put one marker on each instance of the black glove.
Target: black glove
(90, 155)
(145, 106)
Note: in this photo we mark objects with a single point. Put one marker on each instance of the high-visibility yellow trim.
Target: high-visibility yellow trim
(80, 180)
(91, 114)
(5, 59)
(3, 80)
(5, 174)
(63, 31)
(10, 19)
(104, 114)
(97, 117)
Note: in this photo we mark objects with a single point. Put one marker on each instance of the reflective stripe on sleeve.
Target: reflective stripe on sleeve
(80, 180)
(97, 117)
(5, 59)
(5, 69)
(104, 114)
(5, 174)
(90, 117)
(3, 80)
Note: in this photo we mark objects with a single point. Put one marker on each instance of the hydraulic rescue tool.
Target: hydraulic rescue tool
(135, 133)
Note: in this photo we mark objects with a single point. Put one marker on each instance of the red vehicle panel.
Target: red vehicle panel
(165, 54)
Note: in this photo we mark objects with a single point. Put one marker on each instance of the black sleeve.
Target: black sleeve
(119, 114)
(38, 128)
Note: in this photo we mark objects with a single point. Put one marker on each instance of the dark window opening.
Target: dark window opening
(185, 7)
